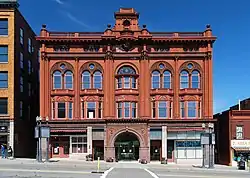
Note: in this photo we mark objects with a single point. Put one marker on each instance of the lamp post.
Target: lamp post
(211, 144)
(38, 135)
(42, 131)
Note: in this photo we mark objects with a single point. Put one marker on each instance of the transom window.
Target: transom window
(189, 80)
(92, 80)
(126, 109)
(63, 80)
(126, 78)
(161, 80)
(190, 109)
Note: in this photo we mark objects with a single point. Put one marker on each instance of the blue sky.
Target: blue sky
(230, 21)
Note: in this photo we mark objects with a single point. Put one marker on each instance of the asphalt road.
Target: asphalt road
(29, 169)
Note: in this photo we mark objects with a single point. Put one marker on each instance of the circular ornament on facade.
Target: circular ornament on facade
(190, 66)
(62, 66)
(161, 66)
(91, 66)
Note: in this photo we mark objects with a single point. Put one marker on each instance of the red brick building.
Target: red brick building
(127, 92)
(233, 133)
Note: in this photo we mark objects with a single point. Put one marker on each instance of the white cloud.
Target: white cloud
(59, 1)
(74, 19)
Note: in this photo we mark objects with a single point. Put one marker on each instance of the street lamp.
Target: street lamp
(42, 131)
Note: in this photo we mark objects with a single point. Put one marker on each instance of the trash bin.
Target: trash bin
(241, 165)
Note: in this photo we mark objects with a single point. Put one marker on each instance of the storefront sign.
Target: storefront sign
(240, 144)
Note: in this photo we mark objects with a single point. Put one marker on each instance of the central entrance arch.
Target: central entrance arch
(127, 146)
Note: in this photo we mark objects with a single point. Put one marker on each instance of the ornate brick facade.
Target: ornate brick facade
(126, 56)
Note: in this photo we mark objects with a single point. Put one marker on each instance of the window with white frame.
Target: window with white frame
(239, 132)
(21, 84)
(29, 66)
(21, 60)
(21, 36)
(29, 45)
(79, 144)
(126, 109)
(91, 110)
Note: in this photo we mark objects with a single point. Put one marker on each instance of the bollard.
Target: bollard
(98, 167)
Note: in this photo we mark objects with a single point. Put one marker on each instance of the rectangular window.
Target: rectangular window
(133, 110)
(188, 149)
(119, 110)
(79, 144)
(21, 36)
(29, 89)
(61, 110)
(153, 109)
(4, 54)
(4, 27)
(29, 66)
(3, 105)
(119, 82)
(21, 60)
(70, 112)
(191, 109)
(21, 109)
(182, 109)
(126, 109)
(162, 109)
(100, 110)
(239, 132)
(3, 79)
(21, 84)
(126, 82)
(29, 45)
(91, 106)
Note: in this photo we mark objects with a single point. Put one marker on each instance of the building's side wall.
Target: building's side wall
(222, 129)
(24, 126)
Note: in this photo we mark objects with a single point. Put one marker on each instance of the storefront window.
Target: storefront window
(189, 149)
(79, 144)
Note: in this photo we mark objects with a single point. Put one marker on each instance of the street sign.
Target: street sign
(213, 138)
(45, 132)
(36, 132)
(204, 138)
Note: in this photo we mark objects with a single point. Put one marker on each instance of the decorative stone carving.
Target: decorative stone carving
(61, 48)
(62, 98)
(91, 48)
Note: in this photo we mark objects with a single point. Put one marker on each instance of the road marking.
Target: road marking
(104, 175)
(188, 176)
(151, 173)
(45, 171)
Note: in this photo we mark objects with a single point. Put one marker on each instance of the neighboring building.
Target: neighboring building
(19, 81)
(233, 133)
(126, 92)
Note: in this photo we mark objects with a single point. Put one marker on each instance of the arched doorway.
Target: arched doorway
(127, 146)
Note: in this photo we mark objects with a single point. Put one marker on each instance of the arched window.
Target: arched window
(86, 80)
(184, 79)
(68, 80)
(195, 79)
(57, 80)
(166, 79)
(155, 79)
(97, 80)
(126, 77)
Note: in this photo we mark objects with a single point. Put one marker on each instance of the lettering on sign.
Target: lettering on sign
(240, 143)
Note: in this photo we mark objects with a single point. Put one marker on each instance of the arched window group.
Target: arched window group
(62, 80)
(126, 78)
(92, 80)
(161, 80)
(189, 79)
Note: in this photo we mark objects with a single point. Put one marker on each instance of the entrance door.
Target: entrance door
(170, 153)
(127, 147)
(60, 147)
